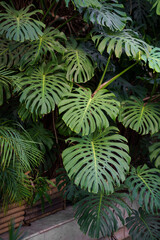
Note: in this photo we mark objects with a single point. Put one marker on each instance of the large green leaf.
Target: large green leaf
(84, 4)
(153, 59)
(47, 43)
(154, 152)
(143, 226)
(145, 183)
(126, 41)
(43, 88)
(142, 117)
(6, 76)
(84, 113)
(79, 66)
(98, 162)
(19, 25)
(97, 214)
(109, 15)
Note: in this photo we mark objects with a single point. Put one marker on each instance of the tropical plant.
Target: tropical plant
(87, 71)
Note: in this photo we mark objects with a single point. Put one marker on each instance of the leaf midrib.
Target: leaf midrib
(146, 185)
(95, 160)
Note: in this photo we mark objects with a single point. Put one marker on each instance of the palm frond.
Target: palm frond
(98, 162)
(126, 41)
(144, 183)
(84, 113)
(19, 25)
(143, 226)
(18, 147)
(43, 88)
(42, 136)
(97, 214)
(141, 117)
(14, 184)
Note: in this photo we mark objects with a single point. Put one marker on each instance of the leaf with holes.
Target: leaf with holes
(153, 59)
(143, 226)
(154, 151)
(84, 113)
(43, 88)
(97, 214)
(48, 43)
(19, 25)
(79, 66)
(97, 162)
(109, 15)
(126, 41)
(141, 117)
(144, 183)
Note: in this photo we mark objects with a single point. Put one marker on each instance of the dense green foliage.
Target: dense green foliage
(79, 84)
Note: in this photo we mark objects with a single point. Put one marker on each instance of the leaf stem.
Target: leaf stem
(49, 9)
(104, 85)
(60, 26)
(104, 73)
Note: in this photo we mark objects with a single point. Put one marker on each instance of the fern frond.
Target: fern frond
(84, 113)
(98, 162)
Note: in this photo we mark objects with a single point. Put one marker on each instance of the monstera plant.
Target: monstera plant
(89, 71)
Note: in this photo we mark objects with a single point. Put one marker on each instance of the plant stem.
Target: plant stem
(49, 9)
(104, 85)
(60, 26)
(153, 89)
(104, 73)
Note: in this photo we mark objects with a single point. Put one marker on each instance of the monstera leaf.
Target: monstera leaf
(47, 43)
(97, 162)
(84, 113)
(19, 25)
(154, 151)
(84, 4)
(96, 216)
(141, 117)
(153, 59)
(79, 66)
(143, 226)
(126, 41)
(109, 15)
(145, 184)
(43, 88)
(6, 76)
